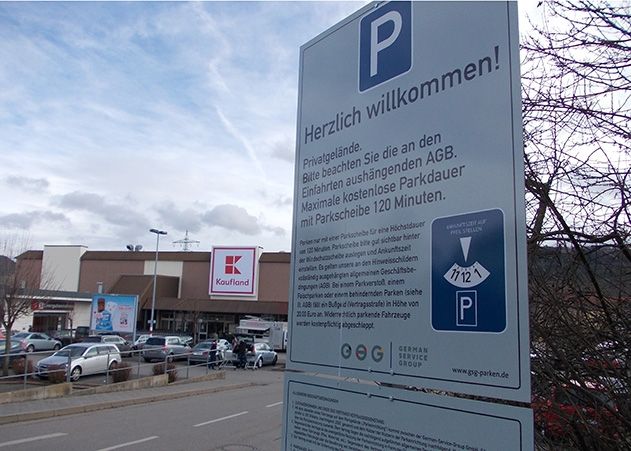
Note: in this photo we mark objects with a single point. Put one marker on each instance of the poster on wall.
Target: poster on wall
(233, 271)
(113, 313)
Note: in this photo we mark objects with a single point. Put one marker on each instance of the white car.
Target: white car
(84, 358)
(140, 341)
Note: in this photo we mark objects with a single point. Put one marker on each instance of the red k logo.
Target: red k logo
(231, 264)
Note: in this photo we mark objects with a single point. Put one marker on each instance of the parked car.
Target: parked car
(65, 336)
(186, 339)
(85, 359)
(123, 345)
(575, 405)
(15, 351)
(140, 342)
(263, 355)
(81, 332)
(201, 352)
(168, 347)
(608, 358)
(37, 341)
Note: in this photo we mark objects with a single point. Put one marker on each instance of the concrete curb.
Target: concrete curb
(35, 393)
(29, 416)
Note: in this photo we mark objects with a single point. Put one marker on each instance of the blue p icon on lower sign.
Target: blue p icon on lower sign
(385, 44)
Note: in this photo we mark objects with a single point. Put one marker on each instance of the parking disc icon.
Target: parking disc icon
(468, 275)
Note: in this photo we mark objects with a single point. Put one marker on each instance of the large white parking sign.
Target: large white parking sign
(408, 259)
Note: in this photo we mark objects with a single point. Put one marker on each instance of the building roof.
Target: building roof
(193, 256)
(31, 255)
(275, 257)
(146, 255)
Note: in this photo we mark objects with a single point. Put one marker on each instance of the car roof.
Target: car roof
(85, 344)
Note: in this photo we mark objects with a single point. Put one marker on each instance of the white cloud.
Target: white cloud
(26, 183)
(125, 116)
(26, 220)
(233, 217)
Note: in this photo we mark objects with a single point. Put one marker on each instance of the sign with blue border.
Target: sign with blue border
(409, 239)
(114, 313)
(468, 275)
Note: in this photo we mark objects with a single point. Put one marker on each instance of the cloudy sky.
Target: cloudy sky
(120, 117)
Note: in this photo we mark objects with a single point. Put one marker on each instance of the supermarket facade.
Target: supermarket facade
(194, 294)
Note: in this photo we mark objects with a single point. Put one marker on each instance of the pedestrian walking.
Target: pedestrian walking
(213, 355)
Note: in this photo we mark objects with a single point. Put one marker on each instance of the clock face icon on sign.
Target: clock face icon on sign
(466, 276)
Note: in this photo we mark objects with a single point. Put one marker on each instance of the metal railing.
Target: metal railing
(135, 359)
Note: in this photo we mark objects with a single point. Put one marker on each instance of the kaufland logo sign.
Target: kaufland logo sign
(231, 264)
(233, 271)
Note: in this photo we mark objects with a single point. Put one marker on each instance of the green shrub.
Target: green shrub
(21, 366)
(122, 372)
(158, 369)
(56, 374)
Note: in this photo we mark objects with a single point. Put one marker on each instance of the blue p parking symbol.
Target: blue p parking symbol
(385, 44)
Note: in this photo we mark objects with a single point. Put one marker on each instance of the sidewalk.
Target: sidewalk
(78, 403)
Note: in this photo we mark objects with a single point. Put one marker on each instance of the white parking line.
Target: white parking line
(32, 439)
(221, 419)
(275, 404)
(122, 445)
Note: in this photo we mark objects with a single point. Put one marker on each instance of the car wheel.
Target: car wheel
(56, 347)
(113, 365)
(30, 348)
(259, 363)
(75, 374)
(275, 360)
(147, 360)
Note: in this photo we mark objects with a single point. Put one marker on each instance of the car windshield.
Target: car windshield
(21, 335)
(72, 351)
(155, 341)
(92, 339)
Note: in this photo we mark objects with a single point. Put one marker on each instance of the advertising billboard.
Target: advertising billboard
(114, 313)
(233, 271)
(409, 240)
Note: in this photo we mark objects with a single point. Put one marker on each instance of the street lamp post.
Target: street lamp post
(155, 277)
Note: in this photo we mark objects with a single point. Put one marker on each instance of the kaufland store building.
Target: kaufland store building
(196, 294)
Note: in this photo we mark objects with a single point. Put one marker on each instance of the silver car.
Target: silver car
(37, 341)
(165, 348)
(263, 355)
(85, 358)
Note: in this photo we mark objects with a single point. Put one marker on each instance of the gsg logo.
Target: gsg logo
(385, 44)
